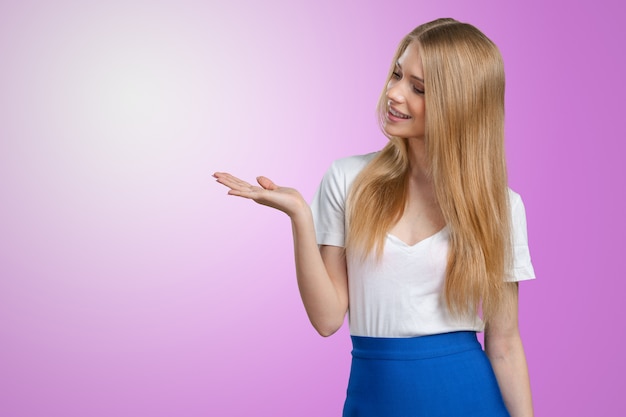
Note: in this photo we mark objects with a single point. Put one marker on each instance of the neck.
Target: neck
(417, 160)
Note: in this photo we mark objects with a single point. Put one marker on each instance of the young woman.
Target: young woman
(422, 242)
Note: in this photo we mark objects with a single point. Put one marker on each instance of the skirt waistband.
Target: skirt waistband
(411, 348)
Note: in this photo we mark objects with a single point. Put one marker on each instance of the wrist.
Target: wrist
(301, 213)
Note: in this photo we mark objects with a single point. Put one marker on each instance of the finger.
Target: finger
(226, 177)
(244, 194)
(254, 194)
(232, 181)
(266, 183)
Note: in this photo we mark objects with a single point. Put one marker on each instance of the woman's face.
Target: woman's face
(405, 97)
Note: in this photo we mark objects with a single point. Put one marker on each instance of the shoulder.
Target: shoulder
(348, 168)
(516, 205)
(514, 199)
(518, 213)
(339, 177)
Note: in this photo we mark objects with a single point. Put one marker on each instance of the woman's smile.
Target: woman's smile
(394, 114)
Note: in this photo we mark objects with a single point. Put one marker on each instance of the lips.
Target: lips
(398, 114)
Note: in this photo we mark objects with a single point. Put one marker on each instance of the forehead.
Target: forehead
(411, 61)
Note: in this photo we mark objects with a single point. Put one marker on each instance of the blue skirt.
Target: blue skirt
(440, 375)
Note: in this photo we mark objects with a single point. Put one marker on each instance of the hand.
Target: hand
(287, 200)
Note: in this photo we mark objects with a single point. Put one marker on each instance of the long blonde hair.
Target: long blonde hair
(464, 136)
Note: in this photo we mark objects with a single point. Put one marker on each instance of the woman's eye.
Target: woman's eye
(417, 90)
(396, 75)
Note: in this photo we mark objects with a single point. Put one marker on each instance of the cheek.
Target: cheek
(422, 110)
(416, 104)
(418, 111)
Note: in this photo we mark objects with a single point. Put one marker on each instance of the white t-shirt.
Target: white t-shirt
(402, 294)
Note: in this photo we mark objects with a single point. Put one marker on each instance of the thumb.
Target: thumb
(266, 183)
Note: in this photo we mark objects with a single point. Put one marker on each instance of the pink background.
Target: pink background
(131, 285)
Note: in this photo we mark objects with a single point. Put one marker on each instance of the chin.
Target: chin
(390, 131)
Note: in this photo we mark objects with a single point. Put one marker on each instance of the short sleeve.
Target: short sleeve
(329, 203)
(328, 208)
(522, 265)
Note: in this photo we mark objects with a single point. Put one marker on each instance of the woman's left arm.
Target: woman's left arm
(503, 346)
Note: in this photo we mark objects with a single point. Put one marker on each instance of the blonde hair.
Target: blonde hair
(464, 137)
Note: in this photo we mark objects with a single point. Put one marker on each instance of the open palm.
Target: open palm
(285, 199)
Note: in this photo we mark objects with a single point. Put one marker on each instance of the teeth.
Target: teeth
(398, 114)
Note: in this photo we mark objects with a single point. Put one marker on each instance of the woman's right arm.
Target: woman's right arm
(321, 271)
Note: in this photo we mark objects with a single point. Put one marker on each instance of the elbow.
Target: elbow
(327, 329)
(503, 348)
(326, 332)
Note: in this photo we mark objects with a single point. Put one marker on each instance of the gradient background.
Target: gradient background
(131, 285)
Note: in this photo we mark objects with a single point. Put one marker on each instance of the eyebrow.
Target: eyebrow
(412, 76)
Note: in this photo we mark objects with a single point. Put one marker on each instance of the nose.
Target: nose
(394, 92)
